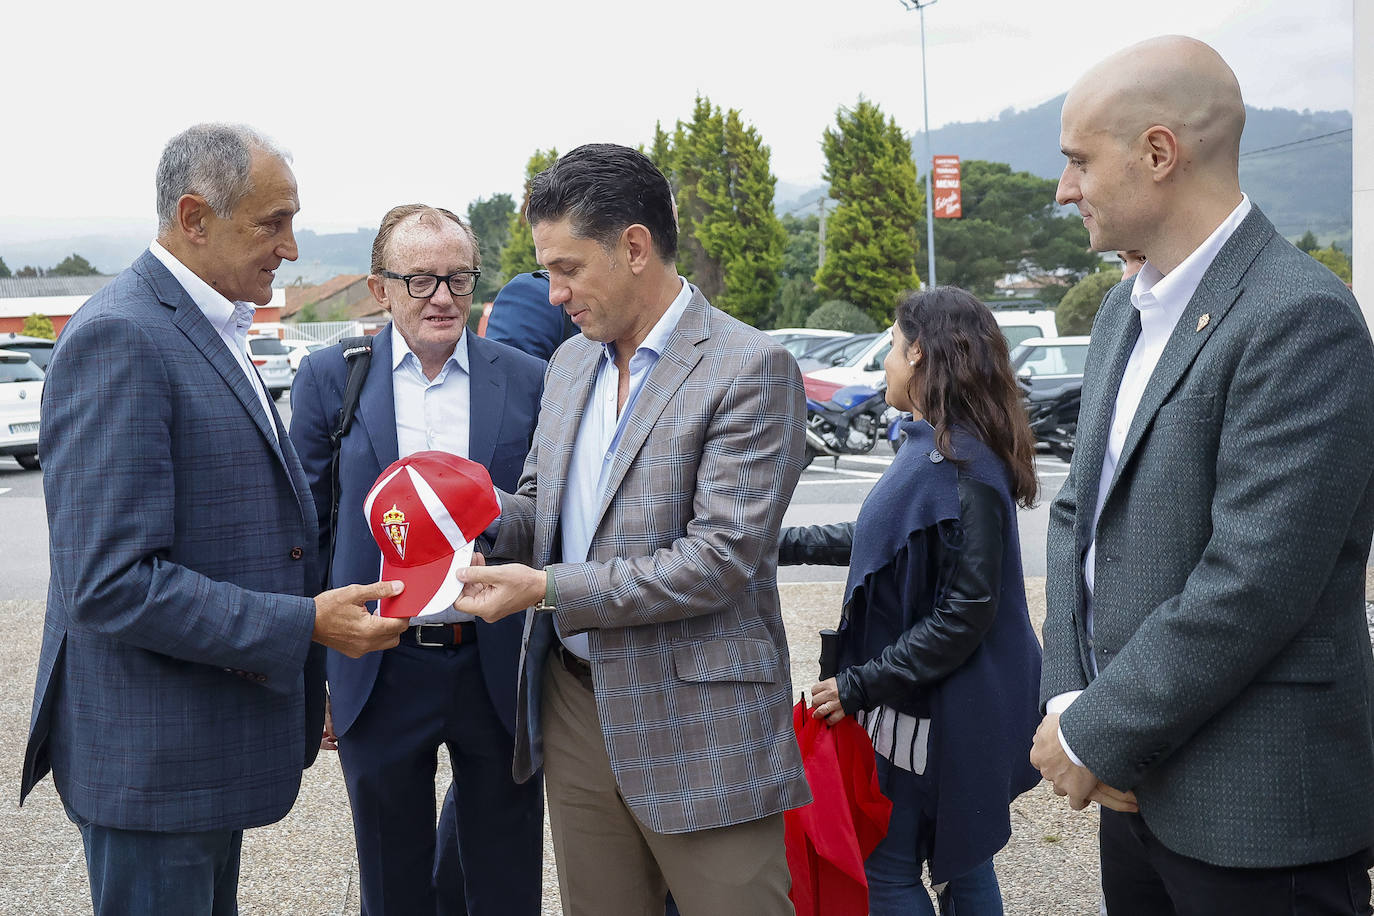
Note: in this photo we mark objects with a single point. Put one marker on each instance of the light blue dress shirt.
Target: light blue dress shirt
(598, 438)
(431, 416)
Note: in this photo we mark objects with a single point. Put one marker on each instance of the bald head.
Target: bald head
(1152, 139)
(1172, 81)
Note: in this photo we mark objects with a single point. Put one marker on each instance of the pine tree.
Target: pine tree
(871, 237)
(730, 242)
(517, 255)
(4, 270)
(490, 219)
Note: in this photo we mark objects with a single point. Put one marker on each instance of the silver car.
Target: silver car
(21, 393)
(273, 360)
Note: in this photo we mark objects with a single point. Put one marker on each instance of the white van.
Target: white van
(866, 368)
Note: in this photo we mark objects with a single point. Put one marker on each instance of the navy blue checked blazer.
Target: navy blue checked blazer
(178, 688)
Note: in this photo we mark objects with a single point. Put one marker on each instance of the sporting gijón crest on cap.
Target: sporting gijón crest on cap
(424, 512)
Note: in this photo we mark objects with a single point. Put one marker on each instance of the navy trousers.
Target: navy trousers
(161, 874)
(425, 698)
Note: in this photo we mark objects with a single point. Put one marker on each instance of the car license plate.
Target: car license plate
(17, 428)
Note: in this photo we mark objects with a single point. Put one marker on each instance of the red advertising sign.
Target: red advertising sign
(944, 179)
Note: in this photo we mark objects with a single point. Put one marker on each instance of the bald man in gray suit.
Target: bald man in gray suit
(1207, 663)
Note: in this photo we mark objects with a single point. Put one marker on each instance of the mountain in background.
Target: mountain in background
(1303, 186)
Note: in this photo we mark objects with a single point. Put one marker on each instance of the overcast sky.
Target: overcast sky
(443, 102)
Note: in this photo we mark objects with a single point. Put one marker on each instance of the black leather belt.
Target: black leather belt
(440, 635)
(577, 667)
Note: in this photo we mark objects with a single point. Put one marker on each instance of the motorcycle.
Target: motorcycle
(850, 423)
(1053, 417)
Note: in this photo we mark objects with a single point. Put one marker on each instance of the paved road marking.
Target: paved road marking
(858, 475)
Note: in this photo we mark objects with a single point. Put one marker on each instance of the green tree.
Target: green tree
(1009, 225)
(871, 237)
(29, 271)
(797, 297)
(1078, 308)
(1336, 260)
(490, 219)
(74, 266)
(730, 243)
(1308, 242)
(661, 152)
(38, 325)
(517, 255)
(838, 315)
(4, 270)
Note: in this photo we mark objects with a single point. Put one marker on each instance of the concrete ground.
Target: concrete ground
(306, 864)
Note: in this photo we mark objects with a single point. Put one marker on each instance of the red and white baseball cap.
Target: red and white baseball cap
(425, 511)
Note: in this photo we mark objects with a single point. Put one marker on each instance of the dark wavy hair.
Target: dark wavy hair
(965, 379)
(603, 188)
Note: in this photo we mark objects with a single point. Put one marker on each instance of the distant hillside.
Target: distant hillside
(1300, 187)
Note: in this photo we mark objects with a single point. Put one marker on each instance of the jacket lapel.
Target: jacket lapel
(376, 404)
(679, 357)
(192, 322)
(1215, 294)
(486, 399)
(1095, 422)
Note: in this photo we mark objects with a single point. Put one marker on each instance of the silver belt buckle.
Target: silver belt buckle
(420, 636)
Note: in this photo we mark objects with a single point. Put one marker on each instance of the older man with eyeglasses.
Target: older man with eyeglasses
(451, 681)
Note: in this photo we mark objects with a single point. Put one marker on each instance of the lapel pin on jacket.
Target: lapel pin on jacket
(424, 512)
(1202, 322)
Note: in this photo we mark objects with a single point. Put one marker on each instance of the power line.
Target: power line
(1270, 149)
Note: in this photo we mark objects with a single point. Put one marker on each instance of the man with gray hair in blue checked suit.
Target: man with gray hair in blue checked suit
(180, 686)
(1208, 675)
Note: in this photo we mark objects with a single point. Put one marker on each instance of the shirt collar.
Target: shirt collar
(1153, 289)
(657, 338)
(400, 350)
(229, 319)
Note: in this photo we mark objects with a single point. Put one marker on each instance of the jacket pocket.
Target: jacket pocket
(1185, 410)
(726, 659)
(1307, 660)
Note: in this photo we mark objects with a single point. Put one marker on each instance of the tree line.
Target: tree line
(73, 265)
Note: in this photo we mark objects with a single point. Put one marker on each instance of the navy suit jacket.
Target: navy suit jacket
(505, 386)
(177, 688)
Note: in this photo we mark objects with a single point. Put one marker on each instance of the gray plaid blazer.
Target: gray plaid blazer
(679, 595)
(1235, 674)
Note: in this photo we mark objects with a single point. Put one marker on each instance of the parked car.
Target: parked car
(273, 360)
(866, 367)
(1023, 318)
(798, 340)
(38, 348)
(299, 350)
(21, 396)
(1046, 363)
(834, 351)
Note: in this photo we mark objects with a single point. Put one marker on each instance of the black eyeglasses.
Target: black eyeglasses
(422, 286)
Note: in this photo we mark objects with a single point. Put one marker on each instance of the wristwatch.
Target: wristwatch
(550, 600)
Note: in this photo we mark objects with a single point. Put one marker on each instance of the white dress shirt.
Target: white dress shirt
(1160, 300)
(231, 320)
(598, 438)
(431, 416)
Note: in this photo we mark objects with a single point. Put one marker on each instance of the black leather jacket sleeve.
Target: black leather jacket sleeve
(826, 545)
(944, 639)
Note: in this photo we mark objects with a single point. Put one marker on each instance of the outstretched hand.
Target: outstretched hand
(343, 623)
(493, 592)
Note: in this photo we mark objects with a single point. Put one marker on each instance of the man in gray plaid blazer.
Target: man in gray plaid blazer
(1207, 668)
(654, 684)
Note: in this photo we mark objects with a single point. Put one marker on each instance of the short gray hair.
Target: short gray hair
(214, 161)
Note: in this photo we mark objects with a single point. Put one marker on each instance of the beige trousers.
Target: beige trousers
(609, 864)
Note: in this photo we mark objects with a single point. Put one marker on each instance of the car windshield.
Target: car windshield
(1056, 359)
(267, 346)
(1015, 333)
(851, 347)
(20, 371)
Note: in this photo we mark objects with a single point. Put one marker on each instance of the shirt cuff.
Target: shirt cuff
(1056, 706)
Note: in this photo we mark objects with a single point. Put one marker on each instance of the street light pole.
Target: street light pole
(920, 6)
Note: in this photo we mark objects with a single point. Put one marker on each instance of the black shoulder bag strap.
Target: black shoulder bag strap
(357, 352)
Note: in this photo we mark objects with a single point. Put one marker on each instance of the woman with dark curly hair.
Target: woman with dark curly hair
(937, 657)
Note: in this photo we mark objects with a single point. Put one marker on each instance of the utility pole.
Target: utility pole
(820, 255)
(920, 6)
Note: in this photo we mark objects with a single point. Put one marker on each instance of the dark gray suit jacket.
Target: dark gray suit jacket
(1233, 693)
